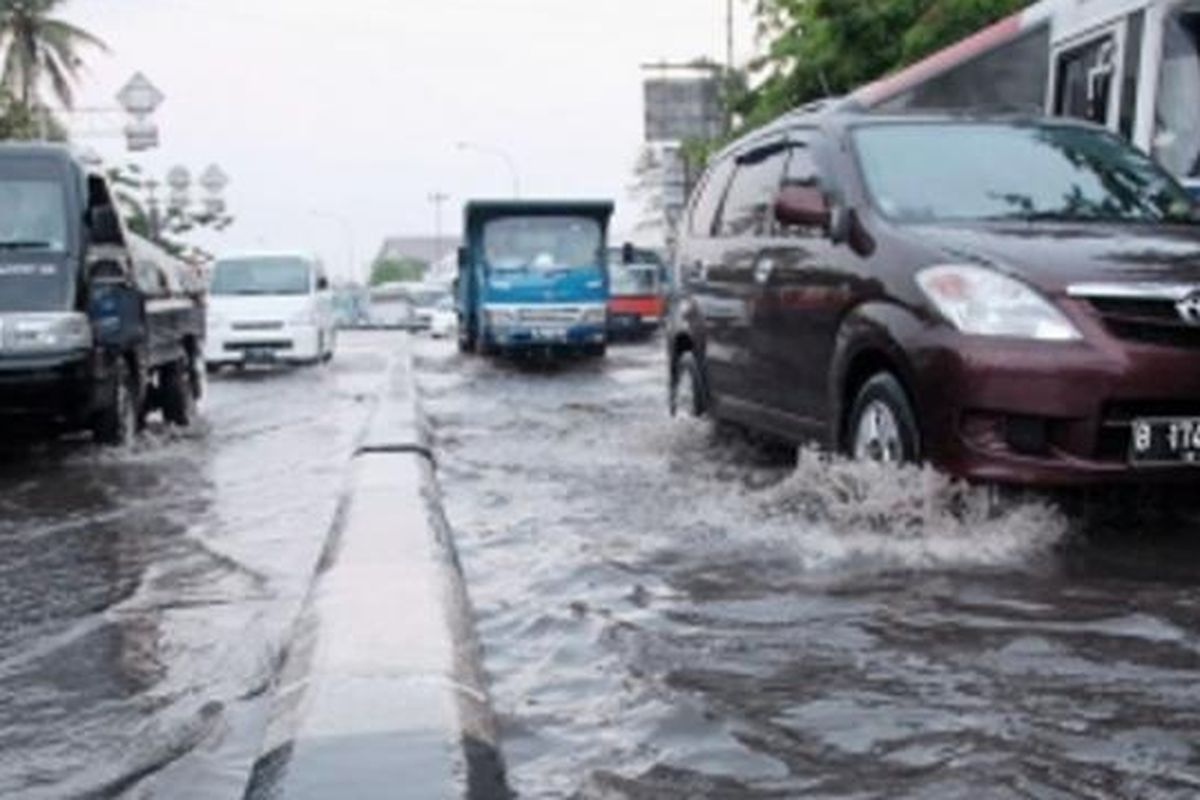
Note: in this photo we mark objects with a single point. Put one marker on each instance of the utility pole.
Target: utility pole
(438, 199)
(729, 36)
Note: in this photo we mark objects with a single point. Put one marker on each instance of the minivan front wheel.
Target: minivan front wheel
(688, 395)
(882, 426)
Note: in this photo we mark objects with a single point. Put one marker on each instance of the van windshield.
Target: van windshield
(262, 276)
(541, 244)
(936, 172)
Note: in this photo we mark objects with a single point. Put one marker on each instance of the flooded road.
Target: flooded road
(669, 611)
(148, 595)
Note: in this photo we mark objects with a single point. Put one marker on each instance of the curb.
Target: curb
(383, 692)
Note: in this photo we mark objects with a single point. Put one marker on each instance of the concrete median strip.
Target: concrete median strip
(383, 694)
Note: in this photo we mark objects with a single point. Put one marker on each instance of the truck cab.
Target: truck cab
(533, 278)
(97, 327)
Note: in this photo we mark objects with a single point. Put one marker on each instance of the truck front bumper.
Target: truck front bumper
(62, 385)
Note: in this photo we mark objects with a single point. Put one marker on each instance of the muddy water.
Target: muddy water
(670, 611)
(146, 595)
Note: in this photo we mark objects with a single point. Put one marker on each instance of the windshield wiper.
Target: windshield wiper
(24, 244)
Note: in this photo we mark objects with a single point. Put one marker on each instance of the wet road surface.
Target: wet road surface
(148, 595)
(669, 611)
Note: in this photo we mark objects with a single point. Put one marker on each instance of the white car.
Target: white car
(443, 319)
(269, 309)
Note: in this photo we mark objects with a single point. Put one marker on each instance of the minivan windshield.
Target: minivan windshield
(262, 276)
(940, 172)
(541, 244)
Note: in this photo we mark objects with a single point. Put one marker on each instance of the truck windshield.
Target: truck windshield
(262, 276)
(629, 280)
(541, 244)
(969, 171)
(33, 214)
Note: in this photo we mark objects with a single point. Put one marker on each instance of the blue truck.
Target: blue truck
(532, 278)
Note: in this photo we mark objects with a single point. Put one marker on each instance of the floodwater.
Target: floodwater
(148, 594)
(671, 611)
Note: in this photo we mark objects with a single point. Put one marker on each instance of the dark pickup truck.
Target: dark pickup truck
(98, 328)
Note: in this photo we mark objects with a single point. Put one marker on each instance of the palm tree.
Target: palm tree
(37, 47)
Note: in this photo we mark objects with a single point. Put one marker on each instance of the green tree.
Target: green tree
(398, 270)
(39, 49)
(822, 48)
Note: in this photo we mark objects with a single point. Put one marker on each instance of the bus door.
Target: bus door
(1095, 75)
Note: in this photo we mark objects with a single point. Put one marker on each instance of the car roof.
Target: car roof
(244, 255)
(837, 115)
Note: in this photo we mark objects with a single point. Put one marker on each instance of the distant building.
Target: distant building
(428, 249)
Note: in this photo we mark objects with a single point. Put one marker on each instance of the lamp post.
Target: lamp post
(503, 156)
(438, 199)
(348, 234)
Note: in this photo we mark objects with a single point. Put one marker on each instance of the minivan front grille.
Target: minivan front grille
(1146, 320)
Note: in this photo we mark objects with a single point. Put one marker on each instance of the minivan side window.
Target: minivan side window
(802, 170)
(747, 209)
(704, 212)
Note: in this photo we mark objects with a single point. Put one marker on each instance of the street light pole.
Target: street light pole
(438, 199)
(503, 156)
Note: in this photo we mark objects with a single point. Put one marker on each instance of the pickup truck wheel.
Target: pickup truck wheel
(882, 426)
(116, 423)
(178, 393)
(688, 391)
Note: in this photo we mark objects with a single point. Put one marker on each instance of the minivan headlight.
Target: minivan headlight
(42, 332)
(983, 302)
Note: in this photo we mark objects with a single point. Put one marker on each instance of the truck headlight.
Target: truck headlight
(597, 315)
(983, 302)
(38, 332)
(501, 316)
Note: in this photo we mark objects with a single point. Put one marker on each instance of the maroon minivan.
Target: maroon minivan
(1010, 299)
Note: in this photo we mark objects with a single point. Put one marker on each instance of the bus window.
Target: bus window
(1011, 77)
(1085, 81)
(1177, 117)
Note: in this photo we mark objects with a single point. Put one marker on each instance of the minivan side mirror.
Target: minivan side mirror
(803, 206)
(104, 225)
(322, 284)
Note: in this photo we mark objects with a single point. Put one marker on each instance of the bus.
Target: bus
(1130, 65)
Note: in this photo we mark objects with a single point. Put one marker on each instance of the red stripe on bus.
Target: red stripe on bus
(974, 45)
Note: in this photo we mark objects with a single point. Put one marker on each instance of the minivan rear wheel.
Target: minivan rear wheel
(882, 426)
(688, 394)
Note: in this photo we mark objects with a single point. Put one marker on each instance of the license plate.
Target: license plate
(1165, 441)
(549, 334)
(260, 354)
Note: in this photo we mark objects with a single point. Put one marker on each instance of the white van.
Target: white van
(267, 309)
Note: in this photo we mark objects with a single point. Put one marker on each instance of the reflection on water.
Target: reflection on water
(671, 611)
(149, 592)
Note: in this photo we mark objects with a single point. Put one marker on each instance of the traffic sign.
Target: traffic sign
(140, 97)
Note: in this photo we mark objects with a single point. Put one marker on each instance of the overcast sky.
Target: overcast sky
(352, 109)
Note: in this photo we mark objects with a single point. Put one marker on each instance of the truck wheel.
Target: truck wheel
(595, 350)
(882, 426)
(483, 347)
(116, 422)
(178, 393)
(688, 394)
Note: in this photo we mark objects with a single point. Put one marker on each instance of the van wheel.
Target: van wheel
(178, 393)
(688, 391)
(882, 426)
(116, 423)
